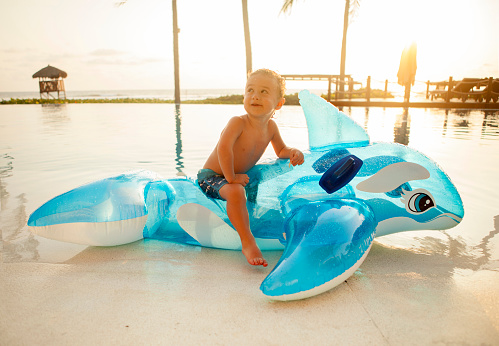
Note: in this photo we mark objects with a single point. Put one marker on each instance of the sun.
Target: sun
(382, 30)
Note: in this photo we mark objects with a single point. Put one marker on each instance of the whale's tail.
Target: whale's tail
(111, 211)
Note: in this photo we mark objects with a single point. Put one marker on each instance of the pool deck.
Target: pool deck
(158, 293)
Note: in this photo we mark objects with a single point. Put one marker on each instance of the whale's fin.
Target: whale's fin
(327, 126)
(211, 231)
(326, 242)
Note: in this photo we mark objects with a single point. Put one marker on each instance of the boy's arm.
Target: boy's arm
(282, 151)
(225, 150)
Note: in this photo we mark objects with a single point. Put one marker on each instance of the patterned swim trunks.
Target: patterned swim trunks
(211, 182)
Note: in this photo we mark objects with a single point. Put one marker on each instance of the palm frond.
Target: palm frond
(354, 10)
(120, 3)
(286, 7)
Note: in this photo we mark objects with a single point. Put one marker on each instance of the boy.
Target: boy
(242, 143)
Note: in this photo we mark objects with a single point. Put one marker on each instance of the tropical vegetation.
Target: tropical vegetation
(291, 99)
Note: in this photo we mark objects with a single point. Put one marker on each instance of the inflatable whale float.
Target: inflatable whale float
(324, 214)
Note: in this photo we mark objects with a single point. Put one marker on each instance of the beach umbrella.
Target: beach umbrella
(50, 72)
(407, 69)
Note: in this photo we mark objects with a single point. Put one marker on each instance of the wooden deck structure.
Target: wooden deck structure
(475, 93)
(336, 80)
(51, 80)
(323, 77)
(477, 89)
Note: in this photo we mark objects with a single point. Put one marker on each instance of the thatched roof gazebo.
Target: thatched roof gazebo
(51, 80)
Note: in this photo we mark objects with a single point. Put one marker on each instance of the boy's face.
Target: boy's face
(261, 96)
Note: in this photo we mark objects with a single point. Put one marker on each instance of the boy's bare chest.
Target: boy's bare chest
(253, 141)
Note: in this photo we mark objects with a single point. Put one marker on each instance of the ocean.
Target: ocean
(162, 94)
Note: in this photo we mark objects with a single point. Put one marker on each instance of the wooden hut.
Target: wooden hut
(51, 81)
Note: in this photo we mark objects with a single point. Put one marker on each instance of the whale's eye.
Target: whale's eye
(419, 202)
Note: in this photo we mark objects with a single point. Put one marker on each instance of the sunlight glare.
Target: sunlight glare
(384, 28)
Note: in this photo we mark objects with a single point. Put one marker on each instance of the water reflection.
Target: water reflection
(55, 118)
(366, 117)
(464, 255)
(179, 159)
(6, 165)
(446, 123)
(463, 121)
(402, 128)
(18, 244)
(456, 123)
(490, 124)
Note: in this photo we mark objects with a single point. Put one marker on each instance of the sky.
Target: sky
(103, 46)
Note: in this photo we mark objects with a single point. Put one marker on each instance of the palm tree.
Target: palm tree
(247, 40)
(286, 7)
(175, 53)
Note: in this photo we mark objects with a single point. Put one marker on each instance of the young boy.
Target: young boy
(241, 144)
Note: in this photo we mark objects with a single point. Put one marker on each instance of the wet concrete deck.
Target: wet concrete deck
(152, 292)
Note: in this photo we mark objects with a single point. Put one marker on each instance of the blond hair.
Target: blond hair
(281, 83)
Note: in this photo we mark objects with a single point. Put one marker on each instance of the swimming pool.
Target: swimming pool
(47, 150)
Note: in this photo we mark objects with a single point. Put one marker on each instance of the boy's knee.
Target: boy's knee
(233, 191)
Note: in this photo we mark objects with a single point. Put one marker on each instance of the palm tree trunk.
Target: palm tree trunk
(175, 53)
(247, 40)
(344, 47)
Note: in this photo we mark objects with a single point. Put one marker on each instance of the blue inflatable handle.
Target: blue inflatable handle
(340, 173)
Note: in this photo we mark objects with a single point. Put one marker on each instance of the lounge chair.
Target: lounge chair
(440, 90)
(494, 91)
(470, 88)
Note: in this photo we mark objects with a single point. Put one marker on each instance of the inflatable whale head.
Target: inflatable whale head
(406, 189)
(325, 213)
(397, 189)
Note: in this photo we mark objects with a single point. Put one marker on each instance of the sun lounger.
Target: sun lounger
(468, 88)
(494, 90)
(440, 90)
(474, 88)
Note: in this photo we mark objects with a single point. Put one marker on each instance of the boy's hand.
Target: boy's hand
(296, 157)
(242, 179)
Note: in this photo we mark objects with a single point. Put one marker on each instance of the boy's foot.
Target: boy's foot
(254, 255)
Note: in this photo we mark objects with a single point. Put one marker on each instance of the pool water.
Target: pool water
(50, 149)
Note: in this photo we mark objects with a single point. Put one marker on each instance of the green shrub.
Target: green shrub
(291, 99)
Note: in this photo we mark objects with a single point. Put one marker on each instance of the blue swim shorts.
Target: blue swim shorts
(211, 182)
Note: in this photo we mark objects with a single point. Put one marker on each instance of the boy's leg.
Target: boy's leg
(235, 195)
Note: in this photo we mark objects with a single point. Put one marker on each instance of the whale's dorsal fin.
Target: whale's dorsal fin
(327, 126)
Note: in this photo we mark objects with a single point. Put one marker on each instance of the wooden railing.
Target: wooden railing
(478, 89)
(347, 82)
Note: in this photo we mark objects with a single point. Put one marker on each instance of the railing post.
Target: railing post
(329, 89)
(427, 90)
(449, 88)
(336, 89)
(368, 89)
(386, 88)
(488, 96)
(350, 88)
